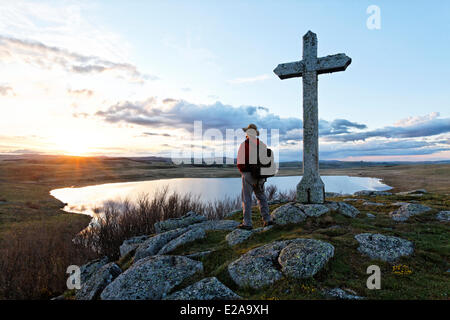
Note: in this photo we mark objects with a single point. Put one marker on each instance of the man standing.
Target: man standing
(247, 160)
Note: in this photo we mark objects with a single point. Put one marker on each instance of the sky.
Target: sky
(131, 78)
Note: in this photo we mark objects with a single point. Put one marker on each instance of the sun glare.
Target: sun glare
(73, 145)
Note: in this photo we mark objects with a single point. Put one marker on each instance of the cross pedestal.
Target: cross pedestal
(311, 188)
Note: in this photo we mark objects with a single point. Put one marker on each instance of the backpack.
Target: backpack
(263, 171)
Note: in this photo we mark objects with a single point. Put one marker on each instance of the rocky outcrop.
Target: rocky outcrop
(151, 278)
(88, 269)
(347, 210)
(418, 192)
(153, 245)
(131, 244)
(372, 193)
(240, 235)
(368, 203)
(92, 288)
(408, 210)
(288, 213)
(188, 236)
(443, 216)
(216, 225)
(264, 265)
(206, 289)
(313, 210)
(184, 221)
(303, 258)
(338, 293)
(381, 247)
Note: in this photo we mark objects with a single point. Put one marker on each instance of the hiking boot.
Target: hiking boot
(244, 227)
(268, 223)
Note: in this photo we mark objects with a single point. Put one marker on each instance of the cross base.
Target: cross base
(311, 190)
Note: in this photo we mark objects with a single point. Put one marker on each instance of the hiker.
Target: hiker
(246, 163)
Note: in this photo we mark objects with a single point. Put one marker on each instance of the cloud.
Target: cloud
(6, 91)
(80, 92)
(157, 134)
(182, 114)
(249, 79)
(47, 57)
(412, 127)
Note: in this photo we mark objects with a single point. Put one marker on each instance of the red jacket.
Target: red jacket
(248, 151)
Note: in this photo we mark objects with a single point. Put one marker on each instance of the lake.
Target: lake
(85, 199)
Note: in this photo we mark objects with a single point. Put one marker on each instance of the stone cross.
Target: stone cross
(311, 189)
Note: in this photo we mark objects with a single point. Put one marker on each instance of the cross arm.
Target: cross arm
(289, 70)
(333, 63)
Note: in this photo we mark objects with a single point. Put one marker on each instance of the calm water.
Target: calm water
(85, 199)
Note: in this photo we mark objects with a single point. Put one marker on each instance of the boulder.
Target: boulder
(131, 244)
(372, 193)
(407, 210)
(264, 265)
(338, 293)
(88, 269)
(184, 221)
(443, 216)
(370, 216)
(313, 210)
(206, 289)
(303, 258)
(216, 225)
(258, 267)
(288, 213)
(154, 244)
(347, 210)
(333, 206)
(200, 254)
(240, 235)
(399, 204)
(91, 289)
(332, 194)
(417, 192)
(381, 247)
(368, 203)
(188, 236)
(352, 199)
(151, 278)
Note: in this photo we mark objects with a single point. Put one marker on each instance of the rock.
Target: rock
(408, 210)
(313, 210)
(184, 221)
(88, 269)
(372, 193)
(151, 278)
(352, 199)
(332, 194)
(370, 215)
(399, 203)
(257, 268)
(154, 244)
(131, 244)
(91, 289)
(303, 258)
(368, 203)
(381, 247)
(206, 289)
(333, 206)
(198, 254)
(418, 192)
(188, 236)
(347, 210)
(288, 213)
(240, 235)
(260, 267)
(443, 216)
(232, 213)
(216, 225)
(340, 294)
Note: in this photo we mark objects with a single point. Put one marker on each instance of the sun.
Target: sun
(73, 144)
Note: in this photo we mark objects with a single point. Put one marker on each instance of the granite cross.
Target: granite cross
(311, 188)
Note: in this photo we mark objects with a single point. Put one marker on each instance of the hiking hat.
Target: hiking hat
(253, 127)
